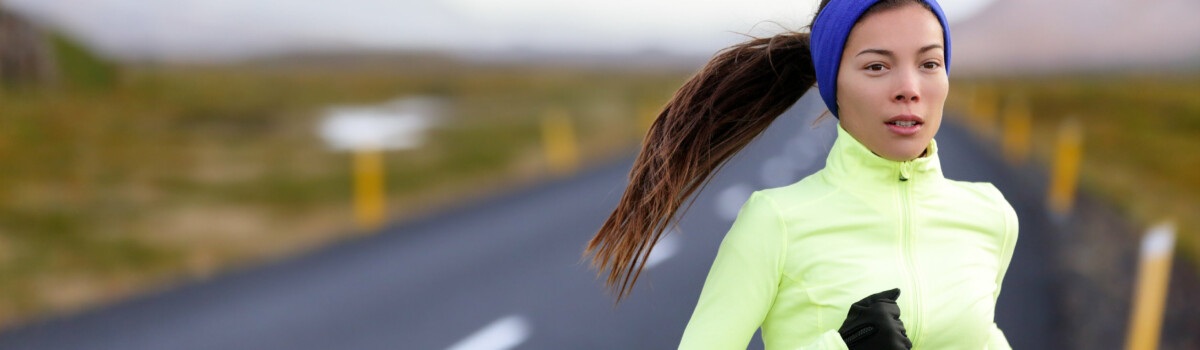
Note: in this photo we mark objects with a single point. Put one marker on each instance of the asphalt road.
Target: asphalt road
(507, 272)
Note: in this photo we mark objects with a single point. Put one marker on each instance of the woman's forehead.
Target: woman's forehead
(907, 30)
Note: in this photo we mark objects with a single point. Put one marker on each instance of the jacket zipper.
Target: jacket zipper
(909, 239)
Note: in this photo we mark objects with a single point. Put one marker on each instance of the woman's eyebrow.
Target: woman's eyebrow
(890, 54)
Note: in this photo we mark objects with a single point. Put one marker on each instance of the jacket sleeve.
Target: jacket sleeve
(830, 340)
(996, 339)
(743, 281)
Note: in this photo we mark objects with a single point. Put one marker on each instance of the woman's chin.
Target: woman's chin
(900, 154)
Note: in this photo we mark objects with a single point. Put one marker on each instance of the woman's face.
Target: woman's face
(893, 65)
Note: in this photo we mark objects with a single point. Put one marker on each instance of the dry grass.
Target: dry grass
(181, 172)
(1141, 140)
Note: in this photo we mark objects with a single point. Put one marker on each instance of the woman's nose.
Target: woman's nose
(908, 88)
(902, 97)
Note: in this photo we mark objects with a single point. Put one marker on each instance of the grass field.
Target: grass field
(180, 172)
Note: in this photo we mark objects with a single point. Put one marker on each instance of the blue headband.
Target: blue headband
(829, 33)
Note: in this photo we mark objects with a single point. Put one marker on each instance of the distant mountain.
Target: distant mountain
(1038, 36)
(25, 53)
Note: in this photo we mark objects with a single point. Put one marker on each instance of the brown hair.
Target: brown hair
(715, 114)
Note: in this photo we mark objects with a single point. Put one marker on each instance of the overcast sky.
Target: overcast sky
(207, 29)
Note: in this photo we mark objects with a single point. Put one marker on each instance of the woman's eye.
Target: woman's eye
(875, 65)
(932, 65)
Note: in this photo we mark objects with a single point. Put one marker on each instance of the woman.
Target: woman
(821, 263)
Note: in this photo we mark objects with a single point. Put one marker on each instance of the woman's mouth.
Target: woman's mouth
(904, 125)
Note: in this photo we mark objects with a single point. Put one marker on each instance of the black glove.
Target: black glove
(873, 323)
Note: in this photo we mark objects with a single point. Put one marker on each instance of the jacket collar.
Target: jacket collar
(851, 162)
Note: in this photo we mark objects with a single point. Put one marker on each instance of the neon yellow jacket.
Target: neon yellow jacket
(797, 256)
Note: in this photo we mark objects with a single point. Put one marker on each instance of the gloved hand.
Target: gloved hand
(873, 323)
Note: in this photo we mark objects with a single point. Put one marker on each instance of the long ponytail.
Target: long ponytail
(715, 114)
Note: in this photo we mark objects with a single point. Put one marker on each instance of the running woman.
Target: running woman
(877, 250)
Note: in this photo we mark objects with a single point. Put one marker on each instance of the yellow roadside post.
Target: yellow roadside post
(1016, 130)
(366, 132)
(1150, 290)
(559, 142)
(1065, 174)
(983, 108)
(368, 188)
(963, 100)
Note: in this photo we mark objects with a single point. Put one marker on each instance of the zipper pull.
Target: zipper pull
(904, 173)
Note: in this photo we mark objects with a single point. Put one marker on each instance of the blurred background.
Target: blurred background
(148, 148)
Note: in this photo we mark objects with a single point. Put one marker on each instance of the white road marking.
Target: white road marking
(505, 333)
(666, 247)
(730, 200)
(1159, 241)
